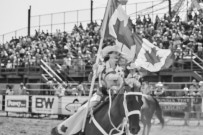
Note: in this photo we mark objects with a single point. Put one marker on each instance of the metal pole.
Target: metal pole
(169, 7)
(187, 11)
(51, 22)
(15, 34)
(77, 17)
(136, 11)
(152, 11)
(3, 39)
(64, 17)
(29, 18)
(39, 22)
(91, 11)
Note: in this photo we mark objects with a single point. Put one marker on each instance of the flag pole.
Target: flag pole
(103, 28)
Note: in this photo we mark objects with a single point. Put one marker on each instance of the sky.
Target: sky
(14, 13)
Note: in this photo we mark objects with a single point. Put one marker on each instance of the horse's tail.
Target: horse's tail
(159, 112)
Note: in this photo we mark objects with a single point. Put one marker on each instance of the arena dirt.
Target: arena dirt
(43, 126)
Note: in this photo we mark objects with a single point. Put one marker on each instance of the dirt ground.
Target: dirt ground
(42, 126)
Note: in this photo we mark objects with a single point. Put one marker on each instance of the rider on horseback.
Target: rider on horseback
(110, 76)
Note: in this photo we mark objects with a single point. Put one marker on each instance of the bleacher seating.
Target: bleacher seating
(75, 52)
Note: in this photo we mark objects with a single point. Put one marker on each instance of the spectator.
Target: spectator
(159, 90)
(60, 89)
(23, 89)
(9, 90)
(197, 105)
(186, 91)
(193, 87)
(146, 88)
(201, 88)
(67, 62)
(80, 89)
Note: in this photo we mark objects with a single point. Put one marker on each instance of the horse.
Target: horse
(117, 114)
(110, 118)
(149, 108)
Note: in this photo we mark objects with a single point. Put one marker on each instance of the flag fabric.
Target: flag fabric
(119, 25)
(151, 57)
(137, 49)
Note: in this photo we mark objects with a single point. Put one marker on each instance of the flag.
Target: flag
(119, 25)
(138, 50)
(151, 57)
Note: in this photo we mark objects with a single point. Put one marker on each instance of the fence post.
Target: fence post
(15, 34)
(152, 11)
(64, 17)
(39, 22)
(51, 22)
(77, 16)
(3, 38)
(136, 11)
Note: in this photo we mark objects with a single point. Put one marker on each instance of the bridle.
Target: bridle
(127, 113)
(121, 128)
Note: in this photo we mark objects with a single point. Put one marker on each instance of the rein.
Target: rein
(121, 128)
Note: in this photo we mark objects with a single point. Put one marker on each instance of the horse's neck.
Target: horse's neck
(116, 114)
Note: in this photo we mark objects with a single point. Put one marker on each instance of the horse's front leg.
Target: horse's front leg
(144, 128)
(148, 126)
(144, 124)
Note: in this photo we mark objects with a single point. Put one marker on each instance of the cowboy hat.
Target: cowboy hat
(159, 84)
(109, 49)
(186, 89)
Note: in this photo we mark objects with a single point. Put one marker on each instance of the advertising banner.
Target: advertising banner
(175, 104)
(45, 104)
(16, 103)
(1, 102)
(69, 105)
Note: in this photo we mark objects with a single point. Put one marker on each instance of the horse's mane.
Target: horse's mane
(104, 102)
(100, 105)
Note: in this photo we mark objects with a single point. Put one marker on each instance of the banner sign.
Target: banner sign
(70, 104)
(175, 104)
(45, 104)
(1, 102)
(16, 103)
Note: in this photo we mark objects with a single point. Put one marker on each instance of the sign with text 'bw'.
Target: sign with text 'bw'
(1, 102)
(45, 104)
(16, 103)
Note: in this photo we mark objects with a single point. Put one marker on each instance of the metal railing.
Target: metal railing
(66, 20)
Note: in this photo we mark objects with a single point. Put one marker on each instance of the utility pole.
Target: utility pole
(169, 8)
(29, 18)
(91, 11)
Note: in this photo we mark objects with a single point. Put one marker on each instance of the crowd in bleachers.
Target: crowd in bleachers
(174, 33)
(82, 43)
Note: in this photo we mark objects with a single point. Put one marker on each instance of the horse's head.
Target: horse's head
(132, 105)
(129, 100)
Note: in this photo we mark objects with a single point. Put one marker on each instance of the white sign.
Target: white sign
(70, 104)
(16, 103)
(45, 104)
(1, 102)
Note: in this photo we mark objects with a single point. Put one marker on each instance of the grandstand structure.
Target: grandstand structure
(185, 68)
